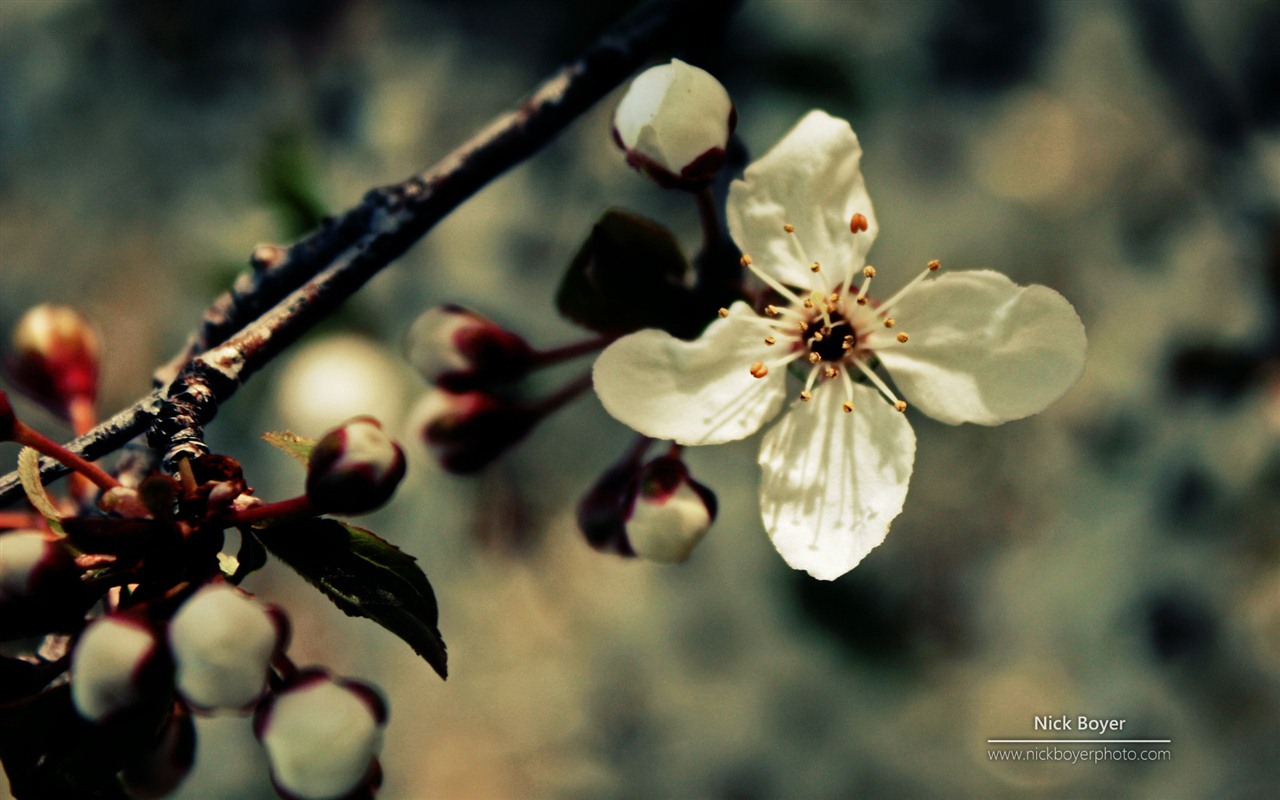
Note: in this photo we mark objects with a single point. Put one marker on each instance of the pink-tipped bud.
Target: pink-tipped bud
(466, 431)
(55, 358)
(115, 663)
(657, 512)
(670, 514)
(33, 563)
(354, 468)
(222, 642)
(458, 349)
(39, 585)
(674, 124)
(322, 736)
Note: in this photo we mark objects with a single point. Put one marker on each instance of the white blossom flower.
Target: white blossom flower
(963, 347)
(674, 124)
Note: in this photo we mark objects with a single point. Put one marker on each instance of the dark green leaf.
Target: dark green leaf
(630, 274)
(365, 576)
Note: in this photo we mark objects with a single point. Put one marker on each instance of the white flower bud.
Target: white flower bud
(108, 666)
(321, 736)
(674, 123)
(29, 559)
(670, 514)
(458, 349)
(466, 431)
(222, 643)
(354, 468)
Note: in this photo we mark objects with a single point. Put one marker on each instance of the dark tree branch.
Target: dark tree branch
(271, 307)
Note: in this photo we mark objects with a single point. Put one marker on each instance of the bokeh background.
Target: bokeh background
(1115, 556)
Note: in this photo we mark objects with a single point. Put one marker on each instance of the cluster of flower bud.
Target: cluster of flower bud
(655, 511)
(321, 735)
(469, 418)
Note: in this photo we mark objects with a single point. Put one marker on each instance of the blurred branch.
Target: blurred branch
(269, 308)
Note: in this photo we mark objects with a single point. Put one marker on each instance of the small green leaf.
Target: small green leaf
(630, 274)
(29, 474)
(292, 444)
(365, 576)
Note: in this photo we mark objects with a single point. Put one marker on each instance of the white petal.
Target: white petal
(222, 642)
(106, 664)
(810, 179)
(667, 529)
(832, 482)
(698, 392)
(673, 114)
(984, 349)
(320, 739)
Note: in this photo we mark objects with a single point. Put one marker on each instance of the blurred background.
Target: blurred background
(1117, 556)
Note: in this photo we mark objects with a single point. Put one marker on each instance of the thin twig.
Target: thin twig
(273, 306)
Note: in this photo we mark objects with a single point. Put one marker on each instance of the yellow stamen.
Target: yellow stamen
(745, 260)
(902, 337)
(769, 340)
(890, 322)
(901, 405)
(815, 266)
(814, 358)
(868, 271)
(771, 310)
(759, 370)
(832, 372)
(848, 407)
(789, 228)
(724, 312)
(805, 396)
(857, 223)
(935, 265)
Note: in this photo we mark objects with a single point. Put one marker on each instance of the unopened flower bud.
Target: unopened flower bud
(31, 561)
(55, 358)
(39, 585)
(457, 349)
(467, 431)
(670, 514)
(657, 512)
(159, 770)
(222, 643)
(674, 123)
(321, 736)
(354, 468)
(114, 663)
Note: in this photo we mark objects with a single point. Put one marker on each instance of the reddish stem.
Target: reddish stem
(563, 397)
(25, 435)
(295, 506)
(554, 355)
(13, 520)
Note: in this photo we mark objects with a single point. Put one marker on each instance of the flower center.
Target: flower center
(836, 329)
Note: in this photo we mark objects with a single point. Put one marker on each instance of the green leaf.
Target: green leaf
(630, 274)
(365, 576)
(29, 475)
(295, 446)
